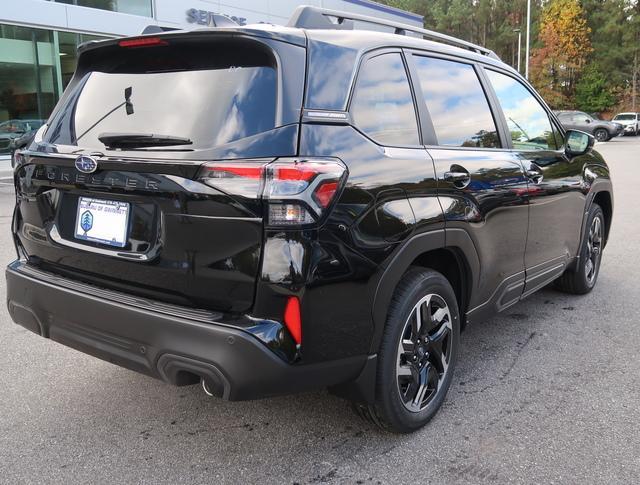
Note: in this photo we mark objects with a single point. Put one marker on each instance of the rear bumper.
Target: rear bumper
(176, 348)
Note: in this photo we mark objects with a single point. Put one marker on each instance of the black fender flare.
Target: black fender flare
(600, 182)
(400, 261)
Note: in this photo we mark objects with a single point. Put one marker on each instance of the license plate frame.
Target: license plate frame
(107, 222)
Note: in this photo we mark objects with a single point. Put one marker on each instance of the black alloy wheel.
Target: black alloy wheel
(594, 250)
(417, 353)
(601, 134)
(424, 352)
(583, 278)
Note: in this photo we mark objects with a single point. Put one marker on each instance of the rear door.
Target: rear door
(383, 108)
(481, 188)
(582, 121)
(125, 188)
(570, 121)
(556, 194)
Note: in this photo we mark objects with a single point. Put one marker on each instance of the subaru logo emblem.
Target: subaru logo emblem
(86, 164)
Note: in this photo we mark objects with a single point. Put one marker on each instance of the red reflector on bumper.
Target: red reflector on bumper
(292, 319)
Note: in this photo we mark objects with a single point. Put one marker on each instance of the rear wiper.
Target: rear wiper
(141, 140)
(128, 107)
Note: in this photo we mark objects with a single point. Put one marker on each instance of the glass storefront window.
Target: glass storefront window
(35, 66)
(134, 7)
(28, 80)
(68, 43)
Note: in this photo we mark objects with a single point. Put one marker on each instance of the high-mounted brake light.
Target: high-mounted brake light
(297, 191)
(142, 42)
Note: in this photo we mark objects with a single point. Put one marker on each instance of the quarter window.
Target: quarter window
(382, 105)
(457, 103)
(527, 120)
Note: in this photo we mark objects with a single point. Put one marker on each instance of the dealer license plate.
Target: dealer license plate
(102, 221)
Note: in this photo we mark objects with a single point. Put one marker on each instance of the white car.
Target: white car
(630, 121)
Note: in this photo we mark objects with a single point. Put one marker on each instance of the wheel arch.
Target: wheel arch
(449, 252)
(604, 200)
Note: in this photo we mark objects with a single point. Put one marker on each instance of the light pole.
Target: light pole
(526, 62)
(519, 32)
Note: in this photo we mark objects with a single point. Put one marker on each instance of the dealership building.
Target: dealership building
(39, 38)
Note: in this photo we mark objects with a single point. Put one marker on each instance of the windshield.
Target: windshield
(172, 96)
(625, 117)
(20, 126)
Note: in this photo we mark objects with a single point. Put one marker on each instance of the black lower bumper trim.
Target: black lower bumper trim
(161, 344)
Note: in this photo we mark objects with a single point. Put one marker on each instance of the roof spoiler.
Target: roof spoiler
(215, 20)
(306, 17)
(156, 29)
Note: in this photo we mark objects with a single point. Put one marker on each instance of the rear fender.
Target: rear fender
(392, 273)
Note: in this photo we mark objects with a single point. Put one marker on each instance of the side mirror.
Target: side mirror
(587, 121)
(577, 143)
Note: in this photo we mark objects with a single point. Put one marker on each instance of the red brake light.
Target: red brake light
(240, 170)
(142, 42)
(324, 194)
(235, 178)
(292, 319)
(300, 173)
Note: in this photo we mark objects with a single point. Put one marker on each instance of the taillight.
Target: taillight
(297, 192)
(243, 178)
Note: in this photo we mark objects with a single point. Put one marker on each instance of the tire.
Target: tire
(415, 368)
(583, 279)
(601, 135)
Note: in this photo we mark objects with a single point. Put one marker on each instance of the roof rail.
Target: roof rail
(307, 17)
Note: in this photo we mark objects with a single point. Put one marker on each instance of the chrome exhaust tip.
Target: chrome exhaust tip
(206, 388)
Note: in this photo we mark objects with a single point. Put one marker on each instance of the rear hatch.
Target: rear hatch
(114, 190)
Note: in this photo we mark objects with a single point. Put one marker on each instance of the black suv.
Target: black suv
(275, 209)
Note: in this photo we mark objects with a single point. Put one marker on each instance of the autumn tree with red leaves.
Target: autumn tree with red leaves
(565, 46)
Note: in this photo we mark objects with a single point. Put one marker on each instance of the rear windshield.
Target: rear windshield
(625, 117)
(202, 95)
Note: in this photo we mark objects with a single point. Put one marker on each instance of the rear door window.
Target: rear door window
(382, 105)
(457, 103)
(528, 121)
(202, 94)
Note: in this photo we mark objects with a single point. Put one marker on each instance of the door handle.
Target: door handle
(457, 175)
(535, 175)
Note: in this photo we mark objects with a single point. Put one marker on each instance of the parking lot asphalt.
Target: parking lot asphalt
(548, 392)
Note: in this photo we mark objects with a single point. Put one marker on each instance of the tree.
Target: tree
(593, 91)
(490, 23)
(567, 35)
(563, 52)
